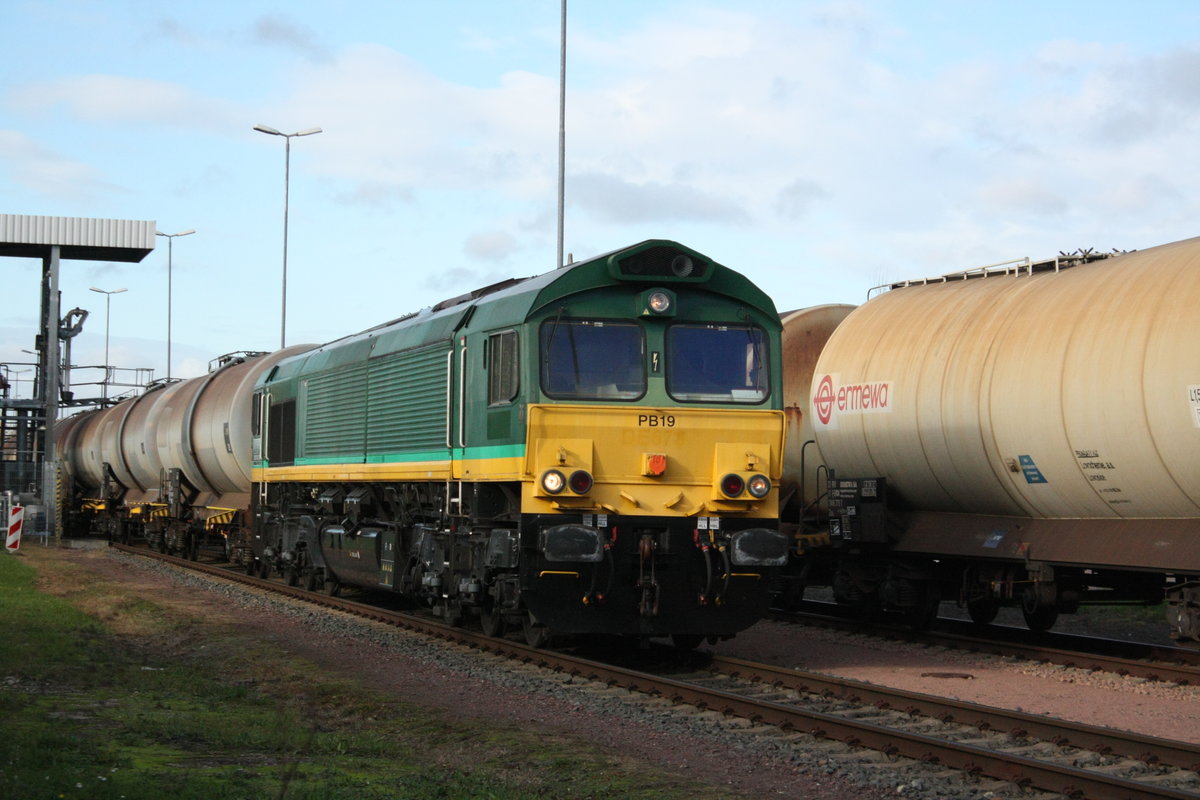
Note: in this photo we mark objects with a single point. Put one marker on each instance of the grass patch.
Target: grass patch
(108, 695)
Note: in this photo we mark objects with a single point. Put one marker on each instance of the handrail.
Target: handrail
(1015, 267)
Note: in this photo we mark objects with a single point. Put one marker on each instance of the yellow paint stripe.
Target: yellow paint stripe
(481, 469)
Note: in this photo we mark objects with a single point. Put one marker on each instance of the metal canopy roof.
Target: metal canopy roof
(78, 238)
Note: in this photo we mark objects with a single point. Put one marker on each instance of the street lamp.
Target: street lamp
(287, 158)
(107, 311)
(170, 237)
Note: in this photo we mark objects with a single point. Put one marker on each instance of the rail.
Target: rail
(1010, 763)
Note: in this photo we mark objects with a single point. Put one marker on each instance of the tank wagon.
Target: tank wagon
(1019, 435)
(593, 450)
(171, 465)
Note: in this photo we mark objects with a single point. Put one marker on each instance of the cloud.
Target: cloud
(798, 197)
(490, 246)
(118, 99)
(1023, 196)
(614, 199)
(280, 31)
(376, 194)
(42, 170)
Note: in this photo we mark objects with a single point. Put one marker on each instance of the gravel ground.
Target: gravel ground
(725, 753)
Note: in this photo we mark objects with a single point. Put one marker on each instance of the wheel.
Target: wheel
(332, 587)
(250, 566)
(792, 596)
(264, 569)
(536, 634)
(686, 642)
(491, 621)
(983, 610)
(1039, 605)
(293, 576)
(924, 612)
(1041, 618)
(312, 580)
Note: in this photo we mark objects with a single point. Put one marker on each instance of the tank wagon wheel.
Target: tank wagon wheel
(293, 576)
(983, 610)
(251, 567)
(536, 634)
(1039, 606)
(264, 569)
(1040, 619)
(332, 586)
(922, 616)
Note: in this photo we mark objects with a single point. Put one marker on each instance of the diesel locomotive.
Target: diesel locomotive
(593, 450)
(1020, 435)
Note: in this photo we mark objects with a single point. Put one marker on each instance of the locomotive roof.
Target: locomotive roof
(652, 262)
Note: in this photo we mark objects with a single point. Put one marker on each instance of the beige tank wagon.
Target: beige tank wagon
(1023, 433)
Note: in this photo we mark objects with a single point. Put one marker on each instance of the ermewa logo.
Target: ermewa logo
(832, 399)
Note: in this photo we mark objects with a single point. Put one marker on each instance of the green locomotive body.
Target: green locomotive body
(592, 450)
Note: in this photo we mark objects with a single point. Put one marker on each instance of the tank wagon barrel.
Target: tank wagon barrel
(1021, 435)
(171, 460)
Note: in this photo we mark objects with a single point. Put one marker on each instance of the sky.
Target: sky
(820, 148)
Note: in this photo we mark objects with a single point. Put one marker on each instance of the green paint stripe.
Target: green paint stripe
(459, 454)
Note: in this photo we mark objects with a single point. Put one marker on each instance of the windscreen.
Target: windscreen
(717, 364)
(593, 359)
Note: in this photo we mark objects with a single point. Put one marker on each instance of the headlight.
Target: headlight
(682, 265)
(732, 485)
(659, 302)
(581, 481)
(759, 485)
(553, 481)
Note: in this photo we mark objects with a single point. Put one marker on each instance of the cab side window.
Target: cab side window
(503, 368)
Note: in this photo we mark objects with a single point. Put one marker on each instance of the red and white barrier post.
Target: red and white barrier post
(14, 517)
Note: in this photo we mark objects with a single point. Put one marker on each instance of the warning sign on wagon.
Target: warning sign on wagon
(1194, 402)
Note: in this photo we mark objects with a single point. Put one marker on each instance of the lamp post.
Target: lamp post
(287, 158)
(170, 237)
(107, 314)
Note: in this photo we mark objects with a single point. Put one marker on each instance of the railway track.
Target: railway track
(1152, 662)
(1027, 750)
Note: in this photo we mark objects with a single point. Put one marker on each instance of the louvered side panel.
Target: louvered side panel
(334, 414)
(407, 402)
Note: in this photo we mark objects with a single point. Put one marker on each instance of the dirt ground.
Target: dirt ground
(472, 700)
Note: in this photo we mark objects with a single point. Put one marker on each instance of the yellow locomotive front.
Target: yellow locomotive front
(649, 500)
(673, 515)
